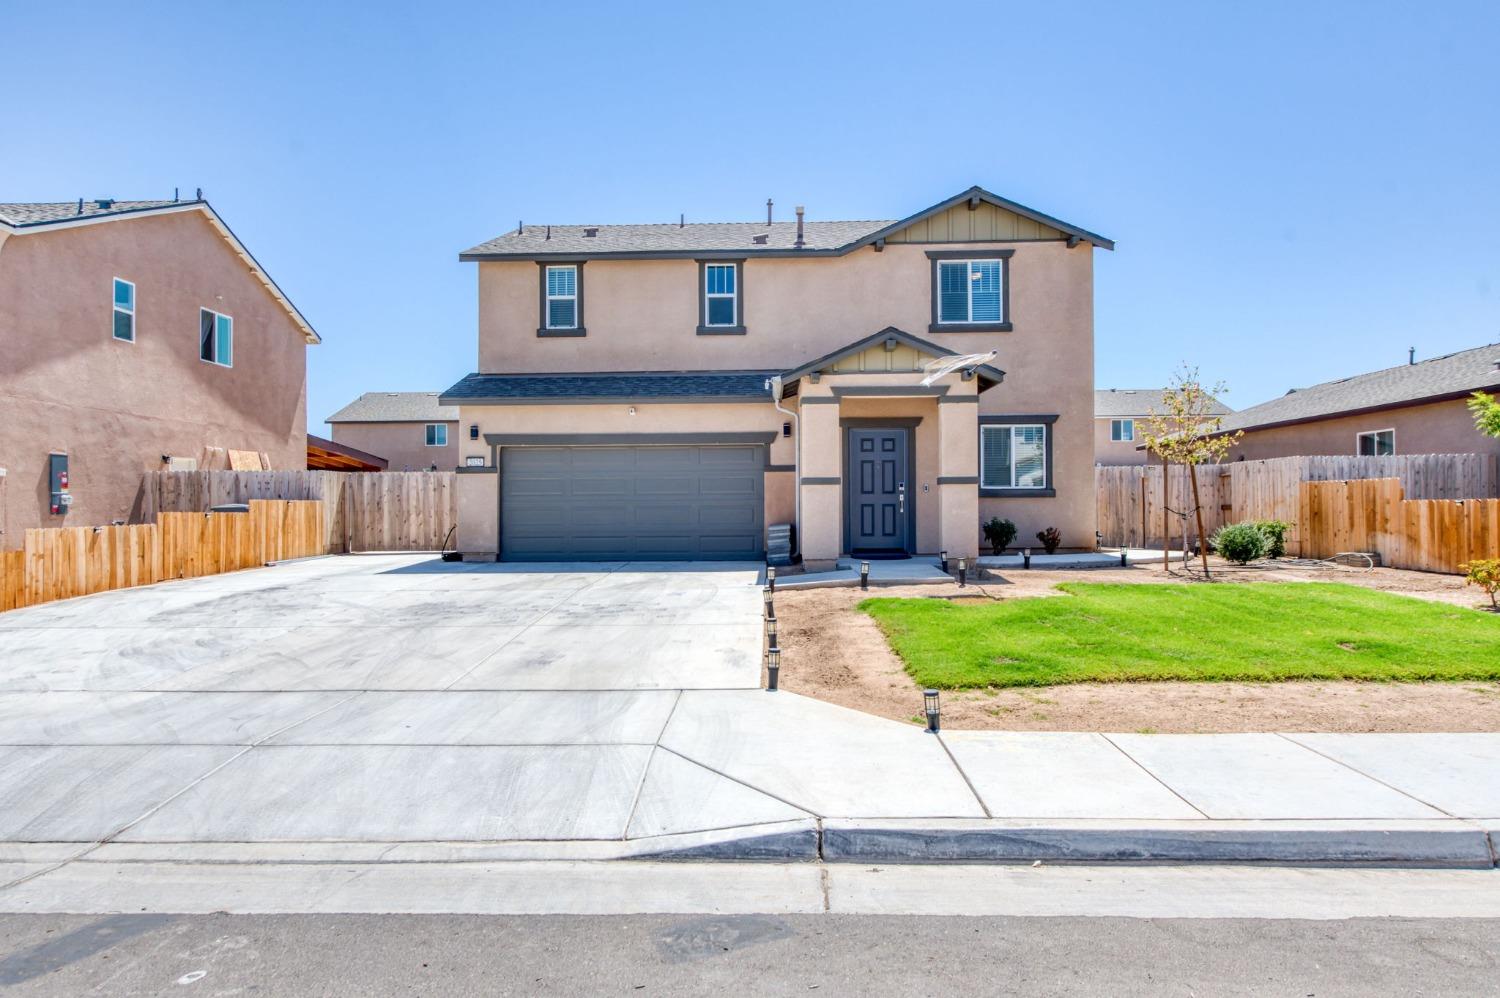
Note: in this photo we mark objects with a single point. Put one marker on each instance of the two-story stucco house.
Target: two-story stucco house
(136, 336)
(411, 430)
(669, 391)
(1120, 421)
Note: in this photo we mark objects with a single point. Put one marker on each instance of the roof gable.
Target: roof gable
(865, 355)
(1140, 402)
(395, 407)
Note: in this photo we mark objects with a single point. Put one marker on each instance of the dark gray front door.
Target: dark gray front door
(618, 503)
(878, 490)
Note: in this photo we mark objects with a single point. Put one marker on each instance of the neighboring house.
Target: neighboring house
(136, 336)
(670, 391)
(411, 430)
(1119, 422)
(1415, 408)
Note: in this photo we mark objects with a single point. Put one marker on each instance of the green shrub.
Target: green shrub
(1484, 573)
(998, 533)
(1241, 543)
(1275, 531)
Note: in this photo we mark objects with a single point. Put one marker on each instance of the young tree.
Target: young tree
(1486, 410)
(1188, 432)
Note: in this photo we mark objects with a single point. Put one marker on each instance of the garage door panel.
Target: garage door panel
(608, 503)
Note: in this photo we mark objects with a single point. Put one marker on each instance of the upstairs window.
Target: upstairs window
(969, 291)
(215, 338)
(124, 308)
(562, 297)
(1013, 456)
(720, 300)
(1122, 429)
(437, 434)
(1376, 443)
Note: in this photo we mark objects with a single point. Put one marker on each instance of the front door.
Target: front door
(878, 491)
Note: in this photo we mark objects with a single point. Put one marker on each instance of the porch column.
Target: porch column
(821, 530)
(958, 475)
(478, 493)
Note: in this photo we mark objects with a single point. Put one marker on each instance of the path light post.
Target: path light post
(770, 606)
(864, 575)
(1026, 556)
(943, 561)
(934, 711)
(770, 632)
(1124, 558)
(773, 668)
(963, 572)
(771, 577)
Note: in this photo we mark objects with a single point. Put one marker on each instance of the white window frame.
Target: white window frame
(432, 431)
(1011, 428)
(734, 296)
(550, 297)
(217, 361)
(1375, 434)
(117, 307)
(968, 266)
(1123, 423)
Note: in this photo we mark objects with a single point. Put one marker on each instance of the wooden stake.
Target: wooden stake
(1198, 511)
(1166, 529)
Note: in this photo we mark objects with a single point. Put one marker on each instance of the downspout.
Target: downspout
(774, 384)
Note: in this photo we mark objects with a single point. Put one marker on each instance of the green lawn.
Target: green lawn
(1247, 632)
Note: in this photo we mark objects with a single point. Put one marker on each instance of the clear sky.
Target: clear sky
(1299, 191)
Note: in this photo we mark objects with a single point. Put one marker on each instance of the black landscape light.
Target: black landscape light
(771, 577)
(864, 575)
(773, 668)
(943, 561)
(771, 632)
(1026, 558)
(770, 606)
(963, 572)
(933, 710)
(1124, 558)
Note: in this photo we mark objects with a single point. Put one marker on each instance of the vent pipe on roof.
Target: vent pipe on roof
(200, 194)
(80, 206)
(768, 212)
(1411, 355)
(175, 192)
(549, 232)
(800, 241)
(590, 233)
(682, 220)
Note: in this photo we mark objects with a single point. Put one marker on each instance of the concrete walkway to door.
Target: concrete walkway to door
(389, 708)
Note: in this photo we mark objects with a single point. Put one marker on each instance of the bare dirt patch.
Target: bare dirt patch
(831, 651)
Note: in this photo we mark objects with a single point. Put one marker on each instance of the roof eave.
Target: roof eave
(1362, 410)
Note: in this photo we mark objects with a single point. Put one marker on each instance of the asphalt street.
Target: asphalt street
(292, 955)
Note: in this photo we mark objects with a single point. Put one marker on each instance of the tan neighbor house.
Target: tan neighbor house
(136, 336)
(1414, 408)
(413, 431)
(1120, 422)
(669, 391)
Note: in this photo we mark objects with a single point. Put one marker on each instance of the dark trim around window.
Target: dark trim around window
(1020, 419)
(541, 320)
(1003, 255)
(738, 329)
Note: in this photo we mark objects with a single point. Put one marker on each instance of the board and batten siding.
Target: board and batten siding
(987, 223)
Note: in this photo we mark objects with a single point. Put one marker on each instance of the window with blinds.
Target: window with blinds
(1013, 457)
(971, 291)
(562, 297)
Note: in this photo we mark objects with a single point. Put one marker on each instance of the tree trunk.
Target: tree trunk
(1198, 511)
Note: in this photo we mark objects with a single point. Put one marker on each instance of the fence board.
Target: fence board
(1374, 515)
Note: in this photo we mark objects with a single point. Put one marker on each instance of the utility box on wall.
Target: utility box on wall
(58, 483)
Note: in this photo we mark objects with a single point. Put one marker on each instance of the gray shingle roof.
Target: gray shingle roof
(820, 237)
(40, 213)
(1451, 375)
(395, 407)
(624, 386)
(696, 237)
(1138, 402)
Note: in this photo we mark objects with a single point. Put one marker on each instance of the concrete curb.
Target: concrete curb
(1450, 843)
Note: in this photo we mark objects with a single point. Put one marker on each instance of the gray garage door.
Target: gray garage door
(609, 503)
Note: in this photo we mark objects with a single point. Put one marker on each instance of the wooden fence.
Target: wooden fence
(362, 511)
(1269, 490)
(63, 562)
(1430, 535)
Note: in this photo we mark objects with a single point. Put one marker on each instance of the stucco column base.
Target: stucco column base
(478, 514)
(960, 520)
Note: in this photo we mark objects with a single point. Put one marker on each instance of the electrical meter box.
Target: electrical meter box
(58, 476)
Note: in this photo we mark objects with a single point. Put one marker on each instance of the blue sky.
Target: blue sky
(1299, 191)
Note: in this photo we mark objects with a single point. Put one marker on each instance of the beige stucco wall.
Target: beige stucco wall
(403, 445)
(1117, 452)
(1431, 428)
(643, 315)
(116, 407)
